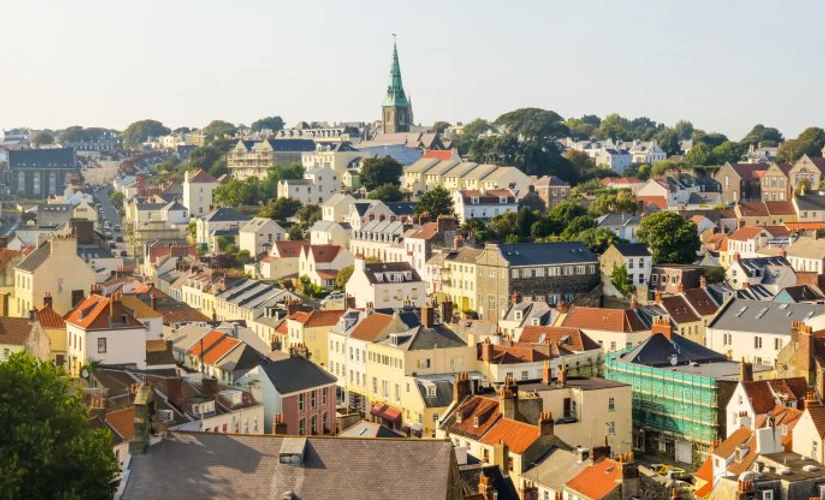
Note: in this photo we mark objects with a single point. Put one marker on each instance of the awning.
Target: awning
(386, 412)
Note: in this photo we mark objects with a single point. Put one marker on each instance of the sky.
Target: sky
(724, 65)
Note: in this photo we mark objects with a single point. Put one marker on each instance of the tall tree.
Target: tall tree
(273, 123)
(435, 202)
(760, 134)
(386, 192)
(684, 129)
(138, 132)
(379, 171)
(728, 152)
(615, 126)
(699, 155)
(43, 138)
(810, 142)
(670, 238)
(622, 281)
(218, 129)
(669, 140)
(712, 139)
(47, 450)
(440, 126)
(470, 133)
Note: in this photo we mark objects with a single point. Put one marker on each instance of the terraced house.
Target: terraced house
(553, 272)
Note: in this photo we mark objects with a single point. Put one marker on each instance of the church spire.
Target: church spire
(395, 89)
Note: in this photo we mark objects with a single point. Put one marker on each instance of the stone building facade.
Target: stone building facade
(39, 173)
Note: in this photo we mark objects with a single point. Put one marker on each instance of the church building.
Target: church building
(397, 108)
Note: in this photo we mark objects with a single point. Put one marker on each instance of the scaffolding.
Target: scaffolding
(671, 402)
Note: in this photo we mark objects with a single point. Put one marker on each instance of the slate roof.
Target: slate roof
(632, 249)
(810, 202)
(364, 429)
(42, 158)
(296, 374)
(536, 254)
(421, 338)
(32, 261)
(201, 176)
(14, 331)
(224, 214)
(659, 351)
(762, 317)
(400, 208)
(244, 466)
(296, 145)
(372, 270)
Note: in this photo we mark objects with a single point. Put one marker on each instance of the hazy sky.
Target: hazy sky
(724, 65)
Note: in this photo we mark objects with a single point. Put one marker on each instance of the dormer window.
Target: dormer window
(518, 316)
(502, 199)
(474, 200)
(476, 422)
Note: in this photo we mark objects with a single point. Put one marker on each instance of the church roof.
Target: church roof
(395, 89)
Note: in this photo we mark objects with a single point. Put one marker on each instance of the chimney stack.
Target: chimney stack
(546, 373)
(546, 424)
(501, 457)
(461, 386)
(446, 311)
(508, 399)
(47, 300)
(32, 315)
(209, 386)
(530, 491)
(662, 325)
(516, 299)
(485, 489)
(703, 282)
(657, 298)
(562, 307)
(427, 315)
(805, 347)
(486, 350)
(278, 425)
(745, 371)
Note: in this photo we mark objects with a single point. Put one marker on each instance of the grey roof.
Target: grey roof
(364, 429)
(225, 215)
(296, 374)
(618, 220)
(301, 145)
(396, 269)
(464, 254)
(325, 225)
(762, 317)
(150, 206)
(401, 207)
(532, 254)
(223, 466)
(362, 206)
(811, 202)
(757, 266)
(659, 351)
(43, 158)
(420, 338)
(632, 249)
(36, 258)
(241, 359)
(443, 392)
(174, 205)
(556, 467)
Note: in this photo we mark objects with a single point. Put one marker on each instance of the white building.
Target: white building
(198, 190)
(259, 234)
(616, 160)
(322, 263)
(482, 204)
(325, 232)
(337, 207)
(317, 186)
(807, 255)
(386, 285)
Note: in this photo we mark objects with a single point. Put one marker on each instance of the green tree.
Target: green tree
(760, 134)
(273, 123)
(660, 167)
(712, 139)
(379, 171)
(217, 129)
(505, 225)
(615, 127)
(386, 192)
(470, 133)
(699, 155)
(238, 192)
(563, 213)
(525, 218)
(670, 238)
(43, 138)
(281, 172)
(621, 280)
(614, 202)
(138, 132)
(597, 239)
(714, 274)
(192, 229)
(117, 199)
(584, 127)
(683, 129)
(727, 152)
(578, 225)
(670, 141)
(435, 202)
(440, 126)
(47, 449)
(343, 276)
(802, 187)
(810, 142)
(308, 215)
(281, 209)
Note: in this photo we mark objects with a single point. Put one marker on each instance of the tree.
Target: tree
(683, 129)
(281, 172)
(584, 127)
(273, 123)
(585, 165)
(802, 187)
(597, 239)
(712, 139)
(138, 132)
(727, 152)
(238, 192)
(281, 209)
(670, 238)
(670, 141)
(615, 127)
(379, 171)
(505, 225)
(578, 225)
(660, 167)
(699, 155)
(470, 133)
(386, 192)
(435, 202)
(621, 280)
(614, 202)
(211, 157)
(343, 276)
(308, 215)
(440, 126)
(217, 129)
(714, 274)
(117, 199)
(524, 222)
(47, 449)
(766, 136)
(810, 142)
(43, 138)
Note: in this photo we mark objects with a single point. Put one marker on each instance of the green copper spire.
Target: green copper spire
(395, 89)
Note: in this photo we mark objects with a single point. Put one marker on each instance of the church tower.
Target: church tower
(397, 109)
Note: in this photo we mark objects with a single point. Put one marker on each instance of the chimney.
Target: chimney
(278, 425)
(630, 476)
(546, 373)
(600, 451)
(32, 315)
(745, 371)
(562, 307)
(561, 376)
(516, 299)
(174, 389)
(546, 424)
(657, 298)
(486, 350)
(740, 223)
(116, 309)
(508, 399)
(458, 242)
(209, 386)
(736, 257)
(485, 489)
(153, 301)
(461, 387)
(299, 350)
(662, 325)
(501, 457)
(427, 316)
(47, 300)
(582, 454)
(744, 490)
(530, 491)
(703, 282)
(806, 348)
(446, 311)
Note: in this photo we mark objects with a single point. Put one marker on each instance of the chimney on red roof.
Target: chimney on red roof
(657, 298)
(546, 424)
(546, 373)
(561, 376)
(47, 300)
(116, 309)
(736, 257)
(501, 457)
(485, 489)
(461, 386)
(562, 307)
(530, 491)
(745, 371)
(703, 282)
(486, 350)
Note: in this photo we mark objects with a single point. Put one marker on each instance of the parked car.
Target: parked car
(123, 253)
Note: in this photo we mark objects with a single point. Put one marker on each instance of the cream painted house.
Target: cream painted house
(321, 263)
(259, 234)
(809, 431)
(283, 261)
(22, 334)
(337, 207)
(54, 268)
(385, 285)
(311, 329)
(198, 192)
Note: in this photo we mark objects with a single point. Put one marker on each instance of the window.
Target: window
(727, 339)
(524, 374)
(324, 397)
(313, 424)
(757, 342)
(767, 495)
(397, 392)
(325, 422)
(313, 400)
(301, 402)
(435, 417)
(611, 404)
(777, 344)
(374, 385)
(424, 363)
(301, 427)
(101, 345)
(611, 428)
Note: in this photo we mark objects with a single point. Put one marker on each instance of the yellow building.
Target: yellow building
(458, 282)
(54, 326)
(311, 329)
(53, 268)
(809, 431)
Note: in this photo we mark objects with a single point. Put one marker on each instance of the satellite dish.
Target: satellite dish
(674, 359)
(85, 373)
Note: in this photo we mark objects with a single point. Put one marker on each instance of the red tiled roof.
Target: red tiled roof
(746, 233)
(679, 309)
(324, 253)
(729, 445)
(611, 320)
(6, 256)
(572, 339)
(753, 209)
(699, 299)
(487, 411)
(122, 421)
(94, 311)
(705, 473)
(205, 343)
(488, 196)
(14, 331)
(507, 354)
(817, 412)
(315, 319)
(764, 393)
(785, 418)
(750, 170)
(48, 318)
(425, 232)
(659, 201)
(597, 480)
(443, 155)
(371, 327)
(201, 176)
(796, 226)
(220, 349)
(285, 249)
(780, 207)
(517, 435)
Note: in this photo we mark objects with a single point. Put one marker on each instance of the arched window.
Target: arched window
(36, 183)
(21, 182)
(52, 183)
